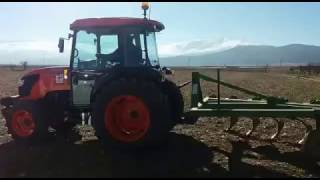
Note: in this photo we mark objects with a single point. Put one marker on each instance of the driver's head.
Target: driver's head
(130, 39)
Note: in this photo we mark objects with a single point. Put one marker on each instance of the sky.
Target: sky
(190, 27)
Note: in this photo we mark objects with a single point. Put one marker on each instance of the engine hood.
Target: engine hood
(47, 70)
(39, 82)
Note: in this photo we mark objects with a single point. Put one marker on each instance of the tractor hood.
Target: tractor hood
(48, 70)
(37, 83)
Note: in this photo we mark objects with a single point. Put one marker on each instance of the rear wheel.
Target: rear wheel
(26, 123)
(176, 100)
(131, 113)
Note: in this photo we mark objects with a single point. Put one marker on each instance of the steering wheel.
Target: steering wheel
(106, 59)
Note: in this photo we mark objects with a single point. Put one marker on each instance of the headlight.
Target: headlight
(20, 82)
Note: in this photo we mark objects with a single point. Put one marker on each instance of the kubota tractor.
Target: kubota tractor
(114, 77)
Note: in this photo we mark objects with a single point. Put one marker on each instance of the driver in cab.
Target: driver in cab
(134, 53)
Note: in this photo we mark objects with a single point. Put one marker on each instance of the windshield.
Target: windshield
(85, 51)
(98, 51)
(152, 48)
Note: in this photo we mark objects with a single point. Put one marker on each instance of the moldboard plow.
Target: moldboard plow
(260, 106)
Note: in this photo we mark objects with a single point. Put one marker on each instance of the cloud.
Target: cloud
(199, 46)
(35, 52)
(46, 52)
(32, 45)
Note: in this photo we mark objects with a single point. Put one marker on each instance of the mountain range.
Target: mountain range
(251, 55)
(241, 55)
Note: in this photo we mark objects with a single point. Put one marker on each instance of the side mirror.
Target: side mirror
(61, 45)
(167, 71)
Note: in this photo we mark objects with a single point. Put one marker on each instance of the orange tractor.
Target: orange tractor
(114, 78)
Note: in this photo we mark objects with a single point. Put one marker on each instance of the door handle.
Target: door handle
(75, 80)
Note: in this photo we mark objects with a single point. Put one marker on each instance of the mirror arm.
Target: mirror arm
(69, 36)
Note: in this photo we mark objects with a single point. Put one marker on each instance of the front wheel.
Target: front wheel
(26, 122)
(131, 113)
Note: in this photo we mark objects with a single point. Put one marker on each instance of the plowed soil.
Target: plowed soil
(200, 150)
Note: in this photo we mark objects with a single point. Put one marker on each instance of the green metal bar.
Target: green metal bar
(286, 113)
(238, 105)
(224, 103)
(303, 105)
(218, 84)
(196, 93)
(253, 104)
(290, 104)
(194, 97)
(298, 106)
(232, 86)
(213, 100)
(247, 106)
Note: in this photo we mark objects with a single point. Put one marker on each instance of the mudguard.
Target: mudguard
(115, 73)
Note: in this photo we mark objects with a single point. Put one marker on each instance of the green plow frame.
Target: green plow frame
(259, 106)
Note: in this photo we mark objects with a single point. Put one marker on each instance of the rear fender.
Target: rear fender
(117, 73)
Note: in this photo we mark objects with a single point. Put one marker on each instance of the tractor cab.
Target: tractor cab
(100, 44)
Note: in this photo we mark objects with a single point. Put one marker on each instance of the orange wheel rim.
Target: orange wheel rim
(23, 123)
(127, 118)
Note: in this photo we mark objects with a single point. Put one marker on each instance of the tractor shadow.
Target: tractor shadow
(271, 152)
(238, 168)
(296, 158)
(183, 156)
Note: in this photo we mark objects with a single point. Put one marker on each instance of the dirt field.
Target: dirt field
(200, 150)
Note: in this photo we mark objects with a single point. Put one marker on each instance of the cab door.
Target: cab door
(82, 83)
(84, 65)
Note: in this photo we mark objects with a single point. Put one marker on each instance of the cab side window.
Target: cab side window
(109, 43)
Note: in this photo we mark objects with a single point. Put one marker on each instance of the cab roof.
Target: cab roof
(114, 22)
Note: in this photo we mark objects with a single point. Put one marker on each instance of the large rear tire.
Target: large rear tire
(176, 100)
(131, 114)
(26, 122)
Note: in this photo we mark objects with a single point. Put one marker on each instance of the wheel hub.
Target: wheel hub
(134, 114)
(23, 123)
(127, 118)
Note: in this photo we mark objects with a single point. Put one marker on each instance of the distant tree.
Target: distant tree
(266, 68)
(12, 67)
(24, 64)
